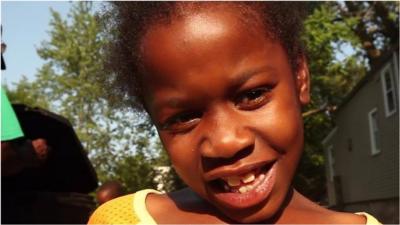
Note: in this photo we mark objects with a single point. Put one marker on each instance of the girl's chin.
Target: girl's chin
(250, 215)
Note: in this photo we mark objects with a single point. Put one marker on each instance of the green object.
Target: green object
(10, 128)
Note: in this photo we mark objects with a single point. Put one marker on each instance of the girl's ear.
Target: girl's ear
(303, 81)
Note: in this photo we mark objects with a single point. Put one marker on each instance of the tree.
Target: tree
(377, 25)
(120, 142)
(27, 93)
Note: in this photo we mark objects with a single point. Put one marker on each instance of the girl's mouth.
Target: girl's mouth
(245, 190)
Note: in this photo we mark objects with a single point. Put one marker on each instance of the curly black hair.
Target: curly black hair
(127, 23)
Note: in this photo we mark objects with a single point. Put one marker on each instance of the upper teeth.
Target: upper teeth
(248, 178)
(235, 180)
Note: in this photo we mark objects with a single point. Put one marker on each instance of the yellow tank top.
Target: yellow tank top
(128, 209)
(131, 209)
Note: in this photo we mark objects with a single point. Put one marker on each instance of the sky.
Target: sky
(25, 26)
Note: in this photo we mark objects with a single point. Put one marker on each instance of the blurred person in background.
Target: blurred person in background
(46, 174)
(109, 190)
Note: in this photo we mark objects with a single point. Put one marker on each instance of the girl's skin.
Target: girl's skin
(226, 102)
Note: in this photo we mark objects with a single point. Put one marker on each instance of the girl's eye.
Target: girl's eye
(182, 122)
(253, 99)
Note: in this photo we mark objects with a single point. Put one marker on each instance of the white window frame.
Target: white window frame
(374, 149)
(392, 89)
(331, 162)
(396, 70)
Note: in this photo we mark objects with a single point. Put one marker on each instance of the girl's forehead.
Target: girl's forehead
(199, 30)
(204, 25)
(187, 41)
(206, 21)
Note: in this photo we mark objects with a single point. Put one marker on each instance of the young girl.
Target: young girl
(224, 83)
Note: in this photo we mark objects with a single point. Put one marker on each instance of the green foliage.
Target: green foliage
(28, 93)
(136, 172)
(121, 143)
(70, 79)
(377, 25)
(325, 37)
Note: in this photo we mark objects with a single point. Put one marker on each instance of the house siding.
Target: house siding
(329, 143)
(365, 179)
(365, 176)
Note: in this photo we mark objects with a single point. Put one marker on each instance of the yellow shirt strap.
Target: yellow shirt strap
(139, 204)
(370, 219)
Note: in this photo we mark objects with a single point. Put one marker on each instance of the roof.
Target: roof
(380, 63)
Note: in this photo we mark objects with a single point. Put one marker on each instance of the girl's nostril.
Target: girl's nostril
(210, 163)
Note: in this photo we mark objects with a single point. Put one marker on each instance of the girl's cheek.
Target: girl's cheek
(186, 162)
(181, 151)
(279, 126)
(185, 159)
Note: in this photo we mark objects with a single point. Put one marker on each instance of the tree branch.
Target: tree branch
(324, 108)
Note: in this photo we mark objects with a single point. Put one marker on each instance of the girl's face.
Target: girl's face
(227, 107)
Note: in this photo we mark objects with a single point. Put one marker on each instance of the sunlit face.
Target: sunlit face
(227, 107)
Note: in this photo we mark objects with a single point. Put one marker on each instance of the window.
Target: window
(389, 94)
(374, 131)
(331, 162)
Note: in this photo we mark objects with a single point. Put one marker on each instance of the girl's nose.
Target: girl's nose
(226, 137)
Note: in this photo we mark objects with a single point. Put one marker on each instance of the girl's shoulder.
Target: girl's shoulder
(306, 210)
(345, 218)
(355, 218)
(326, 216)
(128, 209)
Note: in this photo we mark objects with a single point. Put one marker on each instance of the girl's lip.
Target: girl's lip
(250, 198)
(234, 171)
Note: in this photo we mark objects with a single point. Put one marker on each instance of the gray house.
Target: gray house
(362, 151)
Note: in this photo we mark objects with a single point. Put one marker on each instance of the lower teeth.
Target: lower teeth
(245, 189)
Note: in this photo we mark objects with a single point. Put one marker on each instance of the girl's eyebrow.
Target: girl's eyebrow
(237, 81)
(243, 77)
(174, 102)
(171, 102)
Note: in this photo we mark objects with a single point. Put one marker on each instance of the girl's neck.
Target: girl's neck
(185, 205)
(301, 210)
